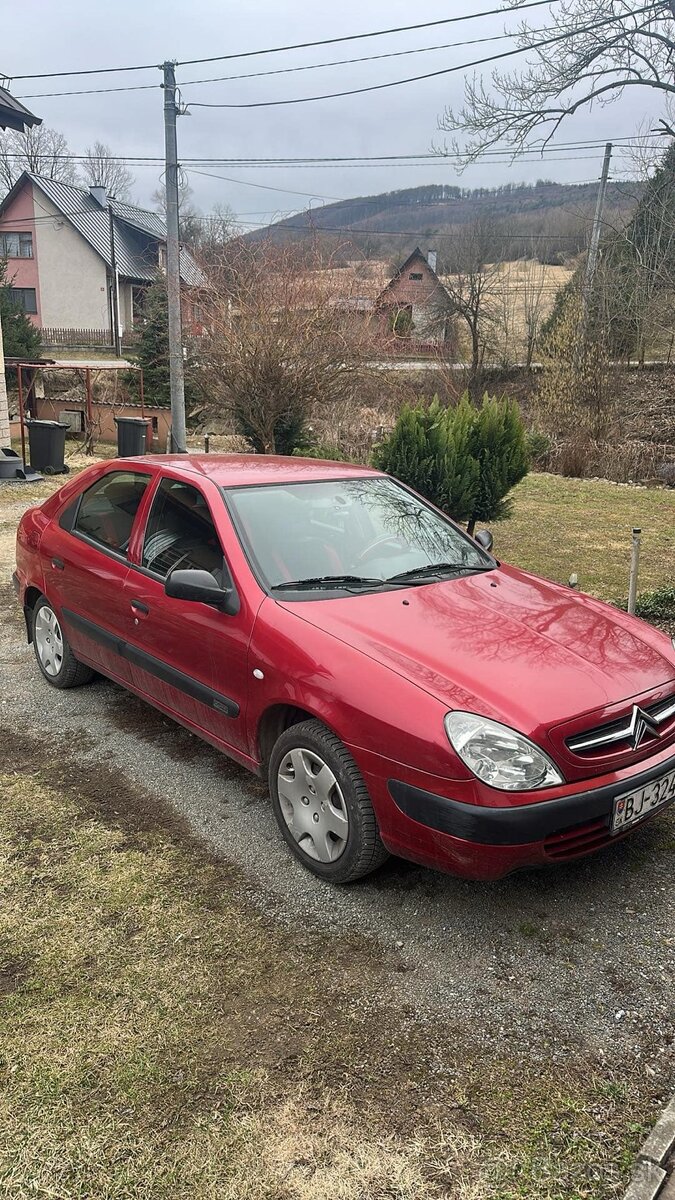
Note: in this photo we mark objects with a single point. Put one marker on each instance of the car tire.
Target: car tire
(322, 806)
(53, 654)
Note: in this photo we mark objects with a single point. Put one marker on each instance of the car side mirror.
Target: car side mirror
(202, 586)
(484, 539)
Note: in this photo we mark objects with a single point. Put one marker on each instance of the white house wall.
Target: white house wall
(73, 283)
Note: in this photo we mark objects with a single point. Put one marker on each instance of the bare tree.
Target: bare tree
(592, 50)
(100, 169)
(212, 232)
(472, 286)
(189, 219)
(534, 306)
(41, 150)
(282, 343)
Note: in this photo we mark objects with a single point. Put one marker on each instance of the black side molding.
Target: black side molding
(519, 825)
(154, 666)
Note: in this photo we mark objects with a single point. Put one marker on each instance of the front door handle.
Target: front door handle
(58, 564)
(139, 606)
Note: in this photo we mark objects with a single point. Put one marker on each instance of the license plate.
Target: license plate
(630, 809)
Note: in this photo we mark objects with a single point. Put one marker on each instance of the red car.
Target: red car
(326, 627)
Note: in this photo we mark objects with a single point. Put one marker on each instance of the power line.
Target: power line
(139, 87)
(632, 141)
(342, 62)
(265, 186)
(376, 87)
(352, 37)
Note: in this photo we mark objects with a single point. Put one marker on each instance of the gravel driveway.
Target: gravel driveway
(576, 960)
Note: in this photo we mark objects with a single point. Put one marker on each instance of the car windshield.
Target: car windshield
(348, 535)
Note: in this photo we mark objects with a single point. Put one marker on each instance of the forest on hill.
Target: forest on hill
(547, 220)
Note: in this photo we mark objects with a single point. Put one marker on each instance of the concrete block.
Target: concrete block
(662, 1137)
(646, 1183)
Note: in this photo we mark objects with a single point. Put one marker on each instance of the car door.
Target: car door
(86, 565)
(189, 657)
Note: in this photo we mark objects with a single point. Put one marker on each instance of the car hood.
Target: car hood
(503, 643)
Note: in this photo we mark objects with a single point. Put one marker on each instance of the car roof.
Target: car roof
(238, 470)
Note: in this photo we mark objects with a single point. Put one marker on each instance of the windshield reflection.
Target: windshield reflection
(366, 528)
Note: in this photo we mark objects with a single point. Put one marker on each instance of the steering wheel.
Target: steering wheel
(385, 539)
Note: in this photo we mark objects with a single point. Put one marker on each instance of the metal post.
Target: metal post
(115, 292)
(592, 260)
(634, 564)
(141, 390)
(19, 371)
(178, 437)
(5, 437)
(89, 432)
(207, 443)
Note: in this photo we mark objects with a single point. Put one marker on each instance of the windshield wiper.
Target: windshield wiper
(328, 581)
(438, 569)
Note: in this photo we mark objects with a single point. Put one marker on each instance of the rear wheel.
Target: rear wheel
(322, 806)
(52, 651)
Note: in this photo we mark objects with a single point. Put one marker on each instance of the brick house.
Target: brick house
(415, 304)
(80, 261)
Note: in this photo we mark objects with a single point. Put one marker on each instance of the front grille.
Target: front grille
(622, 733)
(581, 839)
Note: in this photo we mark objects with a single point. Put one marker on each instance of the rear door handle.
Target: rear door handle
(139, 606)
(58, 564)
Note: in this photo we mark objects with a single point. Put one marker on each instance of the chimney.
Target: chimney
(99, 195)
(431, 259)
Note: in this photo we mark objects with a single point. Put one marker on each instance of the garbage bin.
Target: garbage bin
(132, 436)
(47, 444)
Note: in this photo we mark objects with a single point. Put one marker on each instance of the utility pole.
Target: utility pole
(177, 384)
(115, 289)
(592, 261)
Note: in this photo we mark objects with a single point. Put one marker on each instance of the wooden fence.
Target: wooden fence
(75, 337)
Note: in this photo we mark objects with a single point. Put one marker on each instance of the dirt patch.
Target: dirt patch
(13, 972)
(103, 792)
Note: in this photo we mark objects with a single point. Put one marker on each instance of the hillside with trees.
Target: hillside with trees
(546, 219)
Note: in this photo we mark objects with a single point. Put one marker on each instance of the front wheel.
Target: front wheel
(52, 651)
(322, 806)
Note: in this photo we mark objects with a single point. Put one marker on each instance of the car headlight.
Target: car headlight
(498, 755)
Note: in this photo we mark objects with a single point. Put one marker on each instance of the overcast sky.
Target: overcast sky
(77, 34)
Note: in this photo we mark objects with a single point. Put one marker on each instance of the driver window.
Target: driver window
(180, 529)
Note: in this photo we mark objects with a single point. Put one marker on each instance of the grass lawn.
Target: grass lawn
(162, 1041)
(563, 525)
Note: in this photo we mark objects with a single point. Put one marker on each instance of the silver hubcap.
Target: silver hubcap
(313, 805)
(48, 640)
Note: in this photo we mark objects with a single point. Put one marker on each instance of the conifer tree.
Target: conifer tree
(465, 460)
(498, 443)
(21, 338)
(153, 354)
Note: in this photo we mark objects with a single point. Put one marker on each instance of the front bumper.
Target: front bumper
(525, 823)
(481, 842)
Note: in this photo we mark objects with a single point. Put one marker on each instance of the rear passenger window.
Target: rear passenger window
(107, 510)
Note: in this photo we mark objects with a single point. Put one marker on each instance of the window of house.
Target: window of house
(416, 275)
(25, 297)
(108, 509)
(16, 245)
(180, 530)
